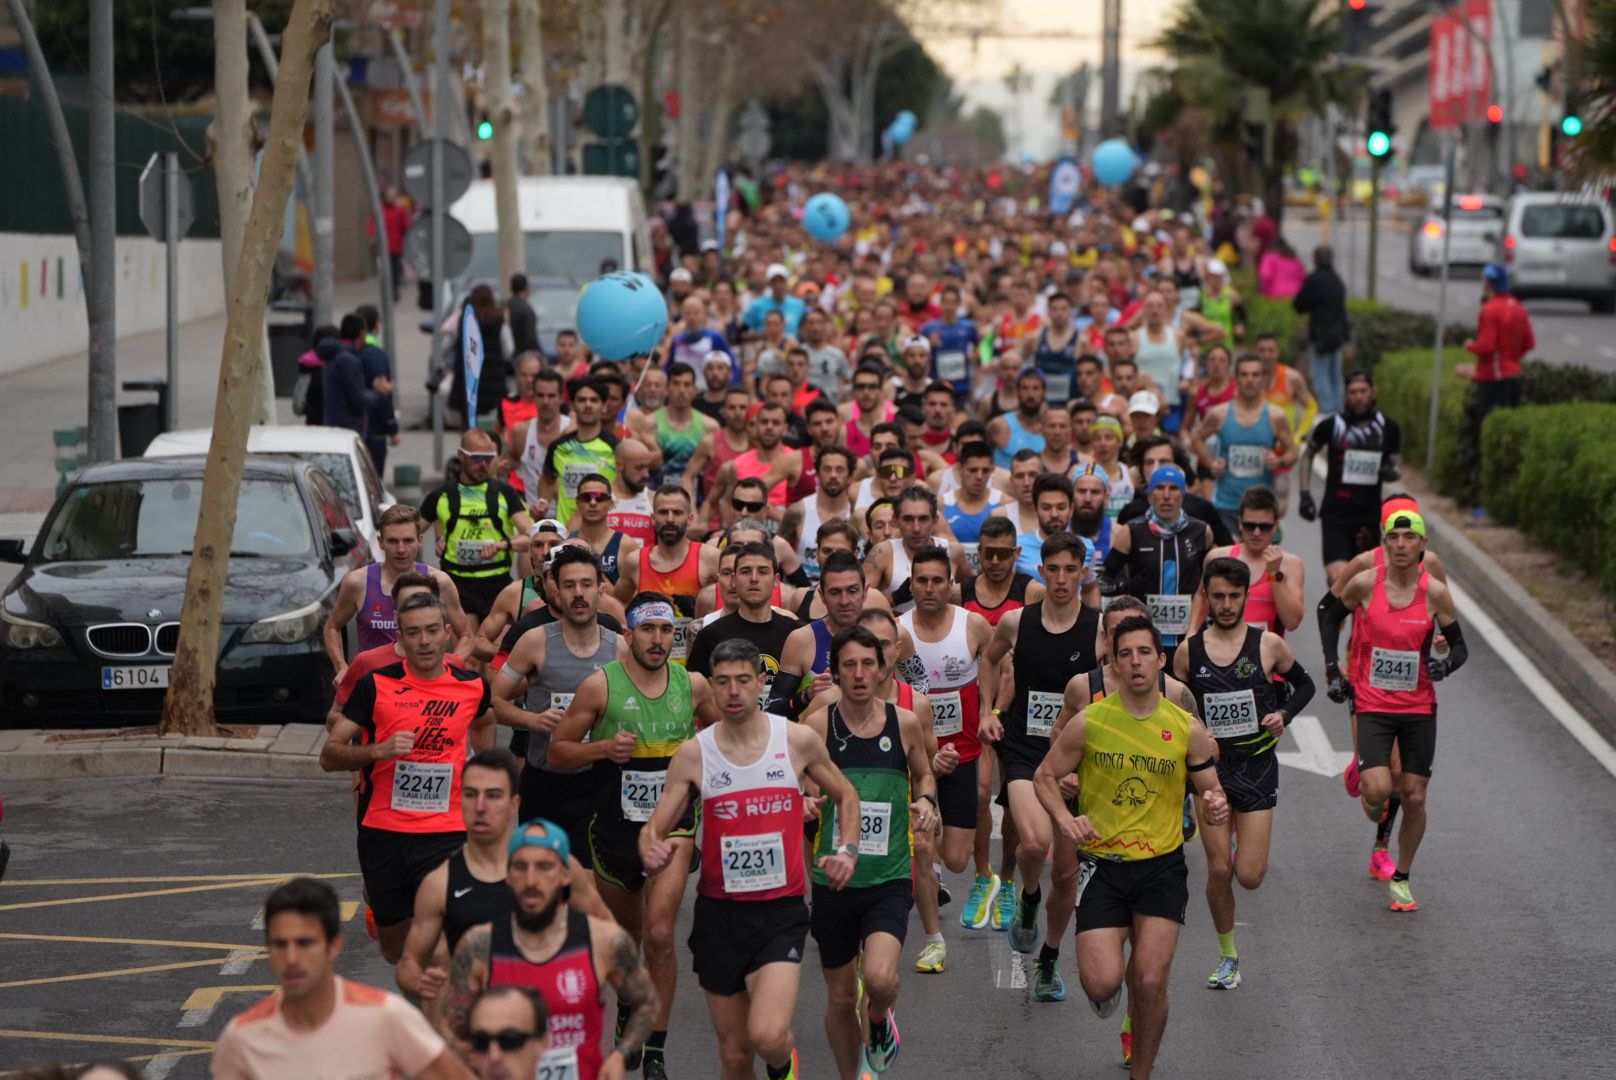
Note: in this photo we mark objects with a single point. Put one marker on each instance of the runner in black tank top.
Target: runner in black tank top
(1017, 596)
(1044, 663)
(469, 901)
(1220, 695)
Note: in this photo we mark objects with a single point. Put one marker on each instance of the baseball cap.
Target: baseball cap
(681, 274)
(1144, 401)
(1059, 248)
(710, 245)
(1218, 267)
(1495, 275)
(915, 341)
(776, 270)
(549, 525)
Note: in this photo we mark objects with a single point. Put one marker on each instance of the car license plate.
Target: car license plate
(135, 677)
(1545, 272)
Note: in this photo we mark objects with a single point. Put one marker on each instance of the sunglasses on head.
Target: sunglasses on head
(1258, 526)
(510, 1040)
(746, 506)
(594, 497)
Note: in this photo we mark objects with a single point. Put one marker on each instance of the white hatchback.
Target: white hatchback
(1473, 228)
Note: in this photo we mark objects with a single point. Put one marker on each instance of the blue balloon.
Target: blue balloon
(621, 315)
(1114, 162)
(826, 217)
(906, 119)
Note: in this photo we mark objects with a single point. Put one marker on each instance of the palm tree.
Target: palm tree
(1593, 77)
(1223, 50)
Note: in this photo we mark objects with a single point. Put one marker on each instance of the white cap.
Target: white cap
(710, 245)
(1059, 248)
(776, 270)
(1218, 267)
(915, 341)
(680, 274)
(1144, 401)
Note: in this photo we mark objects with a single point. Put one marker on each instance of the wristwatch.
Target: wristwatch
(1277, 575)
(850, 850)
(929, 798)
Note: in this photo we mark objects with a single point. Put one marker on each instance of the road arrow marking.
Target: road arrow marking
(1314, 753)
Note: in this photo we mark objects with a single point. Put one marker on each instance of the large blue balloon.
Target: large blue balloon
(1114, 162)
(903, 127)
(826, 217)
(622, 315)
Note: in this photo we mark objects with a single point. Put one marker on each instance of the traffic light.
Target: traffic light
(1381, 128)
(485, 128)
(1571, 124)
(1495, 113)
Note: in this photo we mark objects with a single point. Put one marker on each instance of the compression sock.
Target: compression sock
(655, 1044)
(1127, 1023)
(779, 1072)
(1046, 955)
(1226, 946)
(1383, 831)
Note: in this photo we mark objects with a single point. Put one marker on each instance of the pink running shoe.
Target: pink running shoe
(1381, 865)
(1350, 778)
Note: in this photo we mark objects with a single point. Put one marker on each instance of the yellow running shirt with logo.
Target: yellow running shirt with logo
(1132, 776)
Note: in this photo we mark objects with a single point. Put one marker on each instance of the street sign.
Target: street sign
(619, 157)
(611, 111)
(752, 141)
(153, 208)
(418, 172)
(418, 247)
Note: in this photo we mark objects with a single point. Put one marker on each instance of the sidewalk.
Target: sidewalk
(248, 752)
(40, 400)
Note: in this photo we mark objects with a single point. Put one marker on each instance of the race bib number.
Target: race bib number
(1057, 388)
(753, 863)
(573, 474)
(875, 827)
(684, 632)
(470, 552)
(1232, 714)
(947, 713)
(1361, 467)
(1116, 501)
(422, 787)
(973, 557)
(1043, 706)
(1246, 461)
(1170, 612)
(951, 366)
(559, 1063)
(640, 792)
(1394, 669)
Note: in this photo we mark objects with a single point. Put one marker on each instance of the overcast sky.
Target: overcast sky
(1068, 33)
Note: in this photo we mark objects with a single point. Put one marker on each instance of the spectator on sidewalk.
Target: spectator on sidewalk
(1323, 299)
(523, 319)
(311, 367)
(349, 395)
(396, 222)
(1280, 274)
(1503, 337)
(383, 429)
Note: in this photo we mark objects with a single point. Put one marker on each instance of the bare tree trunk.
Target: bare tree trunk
(101, 280)
(233, 141)
(717, 145)
(497, 80)
(650, 104)
(689, 128)
(535, 81)
(188, 707)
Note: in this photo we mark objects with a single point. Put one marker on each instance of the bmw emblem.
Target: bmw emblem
(153, 613)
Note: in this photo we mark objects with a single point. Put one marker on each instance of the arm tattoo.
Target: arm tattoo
(467, 973)
(1186, 701)
(634, 989)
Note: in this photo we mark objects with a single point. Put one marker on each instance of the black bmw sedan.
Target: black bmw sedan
(89, 626)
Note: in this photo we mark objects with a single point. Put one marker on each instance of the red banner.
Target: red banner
(1478, 42)
(1460, 77)
(1440, 78)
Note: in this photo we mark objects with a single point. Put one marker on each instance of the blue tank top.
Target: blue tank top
(1020, 439)
(1242, 447)
(822, 638)
(967, 527)
(1058, 366)
(608, 558)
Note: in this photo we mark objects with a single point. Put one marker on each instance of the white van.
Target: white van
(1561, 245)
(574, 227)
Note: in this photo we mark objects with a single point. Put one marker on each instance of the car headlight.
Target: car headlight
(288, 628)
(21, 633)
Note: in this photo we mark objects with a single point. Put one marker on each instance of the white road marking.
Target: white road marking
(1009, 967)
(196, 1017)
(239, 961)
(1553, 702)
(1314, 753)
(160, 1066)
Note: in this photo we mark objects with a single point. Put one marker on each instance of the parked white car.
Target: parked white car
(1475, 225)
(338, 452)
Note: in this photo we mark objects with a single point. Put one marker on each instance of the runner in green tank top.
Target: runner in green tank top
(881, 749)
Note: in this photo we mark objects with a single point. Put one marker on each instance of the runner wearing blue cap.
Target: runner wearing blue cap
(1503, 337)
(1162, 554)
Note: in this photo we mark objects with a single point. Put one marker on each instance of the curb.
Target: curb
(1576, 672)
(162, 761)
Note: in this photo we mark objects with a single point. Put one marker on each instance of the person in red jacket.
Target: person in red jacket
(1503, 337)
(396, 217)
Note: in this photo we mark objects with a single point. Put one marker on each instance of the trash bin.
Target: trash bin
(140, 423)
(290, 324)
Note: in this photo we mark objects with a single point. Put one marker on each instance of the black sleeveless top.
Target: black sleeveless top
(1017, 595)
(469, 902)
(1044, 664)
(1235, 697)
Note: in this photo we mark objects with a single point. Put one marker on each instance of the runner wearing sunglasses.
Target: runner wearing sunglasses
(1274, 600)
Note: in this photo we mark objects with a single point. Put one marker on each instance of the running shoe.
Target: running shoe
(1350, 779)
(795, 1072)
(881, 1049)
(1107, 1008)
(944, 897)
(1403, 897)
(979, 903)
(1004, 907)
(1227, 976)
(1024, 927)
(655, 1069)
(370, 922)
(932, 957)
(1189, 817)
(1047, 984)
(1381, 864)
(1127, 1049)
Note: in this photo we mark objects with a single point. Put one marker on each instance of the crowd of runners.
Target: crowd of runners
(965, 529)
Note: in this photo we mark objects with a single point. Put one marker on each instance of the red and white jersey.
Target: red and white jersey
(632, 517)
(751, 847)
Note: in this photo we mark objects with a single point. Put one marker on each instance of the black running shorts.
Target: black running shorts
(730, 939)
(1250, 781)
(842, 919)
(394, 864)
(1346, 538)
(956, 796)
(1414, 734)
(1110, 894)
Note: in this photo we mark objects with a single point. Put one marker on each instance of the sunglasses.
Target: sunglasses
(593, 497)
(892, 472)
(747, 507)
(987, 554)
(1258, 526)
(510, 1040)
(867, 386)
(478, 456)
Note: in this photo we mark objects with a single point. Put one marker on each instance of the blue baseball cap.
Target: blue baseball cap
(1495, 275)
(553, 837)
(1168, 474)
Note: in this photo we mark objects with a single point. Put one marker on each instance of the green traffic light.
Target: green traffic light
(485, 130)
(1380, 144)
(1571, 125)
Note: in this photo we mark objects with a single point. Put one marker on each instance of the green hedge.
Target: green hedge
(1403, 379)
(1529, 453)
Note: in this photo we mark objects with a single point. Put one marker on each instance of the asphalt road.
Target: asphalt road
(1567, 332)
(1500, 973)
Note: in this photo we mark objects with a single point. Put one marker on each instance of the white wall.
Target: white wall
(42, 298)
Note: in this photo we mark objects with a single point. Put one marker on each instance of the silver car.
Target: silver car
(1474, 224)
(1562, 245)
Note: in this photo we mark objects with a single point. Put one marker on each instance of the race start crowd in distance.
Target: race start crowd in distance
(972, 507)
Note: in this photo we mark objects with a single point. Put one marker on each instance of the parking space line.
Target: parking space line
(204, 1000)
(52, 980)
(248, 883)
(156, 942)
(119, 1040)
(168, 880)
